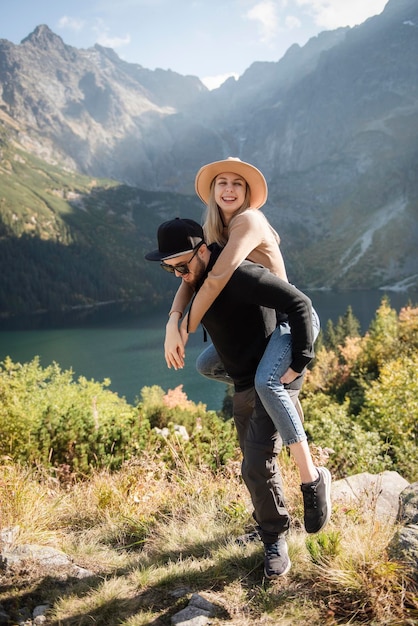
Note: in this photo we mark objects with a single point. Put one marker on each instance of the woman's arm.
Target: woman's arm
(244, 235)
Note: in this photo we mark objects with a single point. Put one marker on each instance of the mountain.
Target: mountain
(67, 240)
(333, 125)
(87, 109)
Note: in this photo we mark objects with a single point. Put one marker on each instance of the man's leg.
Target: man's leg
(243, 407)
(260, 469)
(261, 474)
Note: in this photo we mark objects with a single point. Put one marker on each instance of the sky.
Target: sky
(211, 39)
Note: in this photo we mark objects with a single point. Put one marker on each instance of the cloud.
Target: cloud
(291, 22)
(330, 14)
(71, 23)
(265, 13)
(104, 39)
(213, 82)
(100, 29)
(113, 42)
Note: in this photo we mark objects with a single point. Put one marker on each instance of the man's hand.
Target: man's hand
(289, 376)
(173, 344)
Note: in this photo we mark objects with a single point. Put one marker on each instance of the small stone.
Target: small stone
(201, 603)
(190, 616)
(39, 610)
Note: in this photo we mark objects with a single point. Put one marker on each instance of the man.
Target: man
(240, 322)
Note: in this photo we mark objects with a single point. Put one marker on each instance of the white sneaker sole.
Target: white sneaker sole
(327, 479)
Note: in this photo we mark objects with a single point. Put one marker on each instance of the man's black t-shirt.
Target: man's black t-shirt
(243, 316)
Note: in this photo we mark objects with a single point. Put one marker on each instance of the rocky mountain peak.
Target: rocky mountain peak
(402, 7)
(43, 38)
(333, 125)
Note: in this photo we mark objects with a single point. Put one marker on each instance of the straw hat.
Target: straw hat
(253, 176)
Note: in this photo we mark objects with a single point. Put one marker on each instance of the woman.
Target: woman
(249, 235)
(233, 192)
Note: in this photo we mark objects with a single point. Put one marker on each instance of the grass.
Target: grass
(151, 537)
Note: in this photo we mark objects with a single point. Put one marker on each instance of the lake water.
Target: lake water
(125, 344)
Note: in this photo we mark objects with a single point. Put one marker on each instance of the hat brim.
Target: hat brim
(156, 255)
(254, 178)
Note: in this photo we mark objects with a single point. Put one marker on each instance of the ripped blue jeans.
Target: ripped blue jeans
(275, 397)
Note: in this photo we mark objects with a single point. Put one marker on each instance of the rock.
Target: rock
(190, 616)
(39, 610)
(43, 554)
(404, 544)
(408, 509)
(8, 535)
(379, 491)
(196, 613)
(81, 572)
(181, 431)
(179, 592)
(4, 617)
(201, 603)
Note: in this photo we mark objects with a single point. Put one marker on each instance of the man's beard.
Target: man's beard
(198, 272)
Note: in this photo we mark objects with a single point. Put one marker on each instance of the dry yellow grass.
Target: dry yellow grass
(153, 536)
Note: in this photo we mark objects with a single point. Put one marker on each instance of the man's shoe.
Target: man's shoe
(276, 559)
(317, 501)
(254, 535)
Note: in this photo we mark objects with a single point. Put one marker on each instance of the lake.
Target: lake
(125, 344)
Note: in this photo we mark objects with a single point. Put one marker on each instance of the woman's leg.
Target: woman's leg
(277, 402)
(209, 364)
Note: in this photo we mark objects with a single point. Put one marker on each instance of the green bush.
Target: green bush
(46, 417)
(361, 397)
(353, 448)
(391, 409)
(212, 440)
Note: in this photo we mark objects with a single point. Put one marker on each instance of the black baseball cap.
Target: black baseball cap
(176, 237)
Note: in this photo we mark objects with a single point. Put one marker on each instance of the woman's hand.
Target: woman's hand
(173, 344)
(289, 376)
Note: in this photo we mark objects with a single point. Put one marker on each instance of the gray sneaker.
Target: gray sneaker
(276, 559)
(317, 501)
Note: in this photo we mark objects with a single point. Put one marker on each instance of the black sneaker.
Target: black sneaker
(276, 559)
(250, 537)
(317, 501)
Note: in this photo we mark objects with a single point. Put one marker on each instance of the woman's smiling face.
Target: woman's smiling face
(229, 193)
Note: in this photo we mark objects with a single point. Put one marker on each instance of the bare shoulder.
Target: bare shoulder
(250, 218)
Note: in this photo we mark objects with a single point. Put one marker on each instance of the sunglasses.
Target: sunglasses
(181, 268)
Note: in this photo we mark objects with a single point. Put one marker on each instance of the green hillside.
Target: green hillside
(68, 240)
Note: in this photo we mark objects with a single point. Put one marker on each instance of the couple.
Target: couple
(262, 329)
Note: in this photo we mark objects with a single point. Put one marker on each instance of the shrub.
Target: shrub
(361, 397)
(391, 409)
(352, 448)
(212, 440)
(46, 417)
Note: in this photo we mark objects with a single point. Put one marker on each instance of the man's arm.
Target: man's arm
(256, 285)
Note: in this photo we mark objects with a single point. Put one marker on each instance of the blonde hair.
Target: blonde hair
(213, 226)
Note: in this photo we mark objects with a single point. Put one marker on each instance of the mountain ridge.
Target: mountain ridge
(333, 125)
